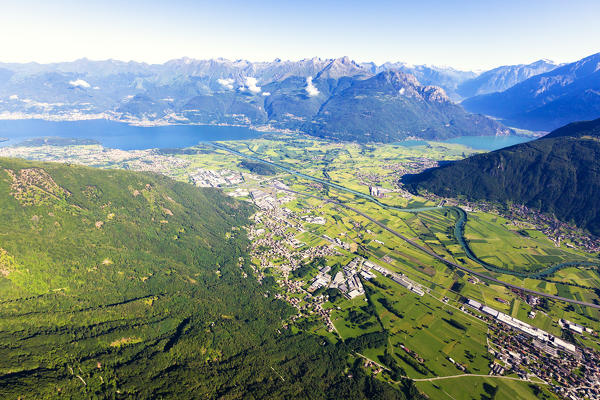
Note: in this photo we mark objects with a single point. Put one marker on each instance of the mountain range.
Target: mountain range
(337, 98)
(393, 105)
(547, 101)
(558, 173)
(311, 95)
(501, 78)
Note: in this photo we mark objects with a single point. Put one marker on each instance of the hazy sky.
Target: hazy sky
(469, 34)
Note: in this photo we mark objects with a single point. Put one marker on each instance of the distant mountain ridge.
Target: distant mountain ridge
(447, 78)
(309, 95)
(547, 101)
(501, 78)
(558, 173)
(393, 105)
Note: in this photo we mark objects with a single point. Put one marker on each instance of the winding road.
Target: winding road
(395, 233)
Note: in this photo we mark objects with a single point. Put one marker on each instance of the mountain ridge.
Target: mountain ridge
(282, 95)
(558, 174)
(501, 78)
(401, 107)
(570, 92)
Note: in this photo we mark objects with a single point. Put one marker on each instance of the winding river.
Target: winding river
(459, 227)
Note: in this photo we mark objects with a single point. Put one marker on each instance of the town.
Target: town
(532, 353)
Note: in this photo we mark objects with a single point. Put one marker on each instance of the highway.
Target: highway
(440, 258)
(393, 232)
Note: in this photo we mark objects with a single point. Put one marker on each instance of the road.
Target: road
(393, 232)
(438, 378)
(458, 228)
(440, 258)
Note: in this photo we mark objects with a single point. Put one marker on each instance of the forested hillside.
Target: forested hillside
(116, 284)
(559, 173)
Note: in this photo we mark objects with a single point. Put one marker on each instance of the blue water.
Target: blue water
(126, 137)
(489, 142)
(122, 136)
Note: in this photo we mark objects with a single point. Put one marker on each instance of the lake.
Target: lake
(489, 142)
(119, 135)
(122, 136)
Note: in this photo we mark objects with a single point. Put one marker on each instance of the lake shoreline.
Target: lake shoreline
(119, 135)
(127, 136)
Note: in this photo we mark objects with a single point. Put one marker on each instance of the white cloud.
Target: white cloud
(79, 83)
(14, 97)
(251, 84)
(311, 89)
(266, 94)
(401, 91)
(96, 88)
(227, 83)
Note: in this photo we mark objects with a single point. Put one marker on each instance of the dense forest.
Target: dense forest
(115, 284)
(558, 173)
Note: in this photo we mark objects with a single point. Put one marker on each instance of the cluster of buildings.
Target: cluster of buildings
(346, 281)
(307, 305)
(376, 191)
(322, 279)
(98, 156)
(521, 326)
(409, 284)
(216, 178)
(412, 165)
(311, 219)
(268, 199)
(571, 376)
(274, 241)
(566, 324)
(374, 180)
(264, 199)
(556, 230)
(570, 371)
(398, 278)
(337, 241)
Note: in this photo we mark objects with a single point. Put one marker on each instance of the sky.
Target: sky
(469, 34)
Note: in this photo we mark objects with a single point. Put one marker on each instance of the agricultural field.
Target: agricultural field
(469, 387)
(519, 251)
(397, 332)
